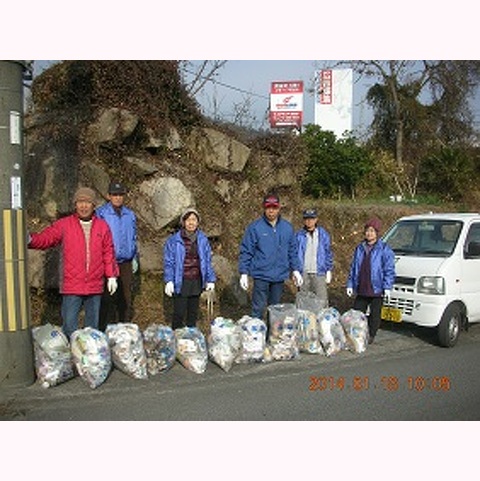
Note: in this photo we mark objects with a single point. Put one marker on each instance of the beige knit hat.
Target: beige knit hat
(187, 212)
(84, 194)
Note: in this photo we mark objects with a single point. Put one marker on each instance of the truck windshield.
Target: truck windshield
(423, 237)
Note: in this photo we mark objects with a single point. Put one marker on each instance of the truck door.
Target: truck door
(470, 272)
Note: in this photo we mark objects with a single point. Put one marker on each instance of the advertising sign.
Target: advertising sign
(286, 104)
(334, 100)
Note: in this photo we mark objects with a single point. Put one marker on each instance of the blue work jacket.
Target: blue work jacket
(174, 257)
(269, 253)
(124, 230)
(324, 251)
(382, 269)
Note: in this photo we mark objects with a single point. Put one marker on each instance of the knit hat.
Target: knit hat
(375, 223)
(187, 212)
(84, 194)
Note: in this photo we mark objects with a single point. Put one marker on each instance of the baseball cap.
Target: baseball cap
(271, 200)
(310, 213)
(117, 188)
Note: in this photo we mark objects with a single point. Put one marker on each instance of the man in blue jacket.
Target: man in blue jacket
(123, 224)
(315, 254)
(371, 276)
(268, 254)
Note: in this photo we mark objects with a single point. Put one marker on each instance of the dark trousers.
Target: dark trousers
(186, 304)
(374, 319)
(185, 311)
(118, 308)
(264, 294)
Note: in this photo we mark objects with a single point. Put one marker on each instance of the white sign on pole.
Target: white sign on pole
(334, 100)
(15, 128)
(16, 186)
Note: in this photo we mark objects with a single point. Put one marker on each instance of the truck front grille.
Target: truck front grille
(405, 305)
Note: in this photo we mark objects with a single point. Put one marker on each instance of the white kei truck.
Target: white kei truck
(437, 264)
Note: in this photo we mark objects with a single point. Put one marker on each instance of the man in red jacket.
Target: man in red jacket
(87, 257)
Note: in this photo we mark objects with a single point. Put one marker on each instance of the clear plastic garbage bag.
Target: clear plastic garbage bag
(91, 355)
(309, 301)
(224, 342)
(308, 334)
(253, 340)
(332, 335)
(191, 349)
(283, 341)
(159, 343)
(126, 347)
(355, 325)
(53, 356)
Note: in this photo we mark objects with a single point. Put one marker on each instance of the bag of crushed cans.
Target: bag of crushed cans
(308, 307)
(282, 341)
(91, 355)
(253, 340)
(159, 344)
(53, 356)
(224, 342)
(332, 335)
(191, 349)
(126, 347)
(355, 325)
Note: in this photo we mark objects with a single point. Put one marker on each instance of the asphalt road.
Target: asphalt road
(402, 376)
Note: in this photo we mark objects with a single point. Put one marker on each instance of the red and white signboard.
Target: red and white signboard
(325, 92)
(286, 104)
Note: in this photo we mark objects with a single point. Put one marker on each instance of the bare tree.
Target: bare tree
(202, 74)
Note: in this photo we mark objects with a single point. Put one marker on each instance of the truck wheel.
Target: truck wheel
(450, 325)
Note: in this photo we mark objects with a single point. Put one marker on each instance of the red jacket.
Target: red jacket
(76, 277)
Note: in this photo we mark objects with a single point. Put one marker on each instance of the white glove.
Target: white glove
(134, 265)
(169, 289)
(210, 286)
(328, 277)
(349, 292)
(297, 278)
(244, 282)
(112, 285)
(386, 294)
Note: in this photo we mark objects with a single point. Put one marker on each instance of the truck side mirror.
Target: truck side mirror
(473, 250)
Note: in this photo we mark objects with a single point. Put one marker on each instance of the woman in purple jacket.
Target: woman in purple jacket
(187, 269)
(372, 274)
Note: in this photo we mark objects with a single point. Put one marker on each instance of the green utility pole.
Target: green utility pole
(16, 352)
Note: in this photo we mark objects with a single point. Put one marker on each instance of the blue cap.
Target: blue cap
(310, 214)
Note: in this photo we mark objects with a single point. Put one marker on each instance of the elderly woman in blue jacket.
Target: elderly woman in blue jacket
(372, 274)
(187, 269)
